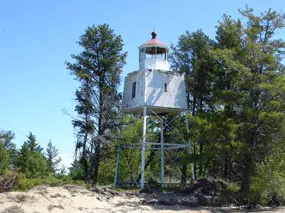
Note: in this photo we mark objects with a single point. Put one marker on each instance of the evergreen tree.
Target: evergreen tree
(4, 158)
(254, 66)
(36, 165)
(30, 159)
(191, 56)
(23, 156)
(52, 158)
(7, 138)
(32, 143)
(84, 124)
(76, 171)
(234, 128)
(97, 68)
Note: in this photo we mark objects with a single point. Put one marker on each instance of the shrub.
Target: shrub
(4, 158)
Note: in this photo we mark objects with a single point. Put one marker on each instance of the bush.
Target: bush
(269, 179)
(36, 165)
(4, 158)
(23, 183)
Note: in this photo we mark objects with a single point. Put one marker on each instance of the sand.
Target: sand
(73, 199)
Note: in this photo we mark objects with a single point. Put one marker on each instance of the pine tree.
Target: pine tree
(30, 159)
(32, 143)
(249, 59)
(52, 158)
(4, 158)
(191, 56)
(97, 68)
(23, 156)
(7, 138)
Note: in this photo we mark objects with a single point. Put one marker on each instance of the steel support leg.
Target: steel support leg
(117, 167)
(119, 149)
(143, 146)
(162, 153)
(190, 146)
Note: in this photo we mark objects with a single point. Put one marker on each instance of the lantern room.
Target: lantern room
(153, 54)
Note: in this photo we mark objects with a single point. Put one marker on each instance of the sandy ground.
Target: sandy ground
(73, 199)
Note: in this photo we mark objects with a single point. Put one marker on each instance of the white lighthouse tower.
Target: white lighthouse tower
(154, 89)
(154, 86)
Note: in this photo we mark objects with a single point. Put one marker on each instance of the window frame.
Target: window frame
(134, 88)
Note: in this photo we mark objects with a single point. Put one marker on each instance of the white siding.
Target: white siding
(174, 98)
(154, 64)
(138, 77)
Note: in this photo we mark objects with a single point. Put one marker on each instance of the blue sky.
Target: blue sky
(37, 37)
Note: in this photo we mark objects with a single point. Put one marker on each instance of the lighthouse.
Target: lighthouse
(154, 86)
(154, 90)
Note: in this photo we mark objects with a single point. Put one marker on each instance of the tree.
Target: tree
(30, 159)
(36, 165)
(269, 179)
(32, 143)
(235, 127)
(97, 68)
(52, 158)
(191, 56)
(76, 171)
(7, 138)
(4, 158)
(249, 59)
(23, 157)
(84, 124)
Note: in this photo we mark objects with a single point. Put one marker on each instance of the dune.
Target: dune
(69, 199)
(73, 199)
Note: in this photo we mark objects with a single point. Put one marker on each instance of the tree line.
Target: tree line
(31, 159)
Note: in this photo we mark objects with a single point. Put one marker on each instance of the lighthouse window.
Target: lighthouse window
(165, 87)
(134, 89)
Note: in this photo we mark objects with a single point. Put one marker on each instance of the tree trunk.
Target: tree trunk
(96, 163)
(183, 175)
(100, 133)
(91, 168)
(249, 159)
(246, 173)
(85, 165)
(226, 166)
(200, 162)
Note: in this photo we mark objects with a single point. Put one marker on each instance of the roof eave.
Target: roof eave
(153, 45)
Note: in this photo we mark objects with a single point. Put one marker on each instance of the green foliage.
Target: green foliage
(52, 158)
(36, 165)
(30, 159)
(269, 178)
(23, 183)
(130, 159)
(7, 138)
(236, 93)
(23, 157)
(76, 171)
(4, 158)
(32, 143)
(97, 68)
